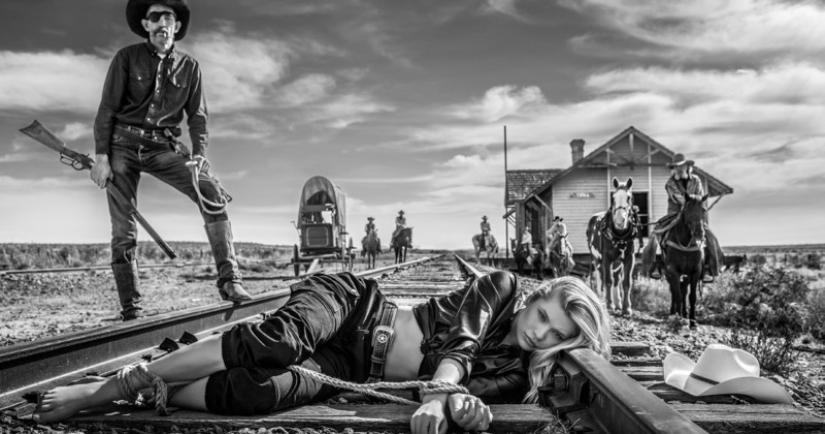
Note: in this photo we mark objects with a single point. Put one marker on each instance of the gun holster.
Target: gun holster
(176, 145)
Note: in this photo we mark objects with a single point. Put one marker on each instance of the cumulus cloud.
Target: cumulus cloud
(51, 81)
(309, 88)
(502, 101)
(75, 130)
(506, 7)
(708, 27)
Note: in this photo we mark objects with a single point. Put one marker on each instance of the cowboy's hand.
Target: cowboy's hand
(469, 412)
(429, 419)
(101, 171)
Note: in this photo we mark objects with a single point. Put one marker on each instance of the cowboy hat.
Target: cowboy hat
(722, 370)
(370, 218)
(401, 212)
(678, 160)
(484, 218)
(561, 219)
(136, 11)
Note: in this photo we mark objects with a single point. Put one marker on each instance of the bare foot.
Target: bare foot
(63, 402)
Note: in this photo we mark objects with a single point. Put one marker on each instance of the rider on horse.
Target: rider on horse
(369, 227)
(558, 234)
(683, 184)
(400, 223)
(485, 227)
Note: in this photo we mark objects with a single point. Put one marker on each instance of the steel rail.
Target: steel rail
(50, 362)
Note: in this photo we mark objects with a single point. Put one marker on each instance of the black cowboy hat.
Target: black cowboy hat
(401, 212)
(136, 11)
(484, 218)
(370, 218)
(561, 219)
(678, 160)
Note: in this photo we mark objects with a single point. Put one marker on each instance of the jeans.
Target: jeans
(128, 159)
(325, 326)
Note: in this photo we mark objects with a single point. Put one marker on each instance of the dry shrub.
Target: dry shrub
(766, 309)
(816, 307)
(650, 295)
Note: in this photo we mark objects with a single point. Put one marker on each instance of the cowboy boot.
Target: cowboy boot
(655, 270)
(127, 283)
(229, 276)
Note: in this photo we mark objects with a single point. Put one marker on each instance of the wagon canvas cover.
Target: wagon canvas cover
(321, 191)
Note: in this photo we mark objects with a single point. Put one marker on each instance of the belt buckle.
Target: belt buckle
(382, 334)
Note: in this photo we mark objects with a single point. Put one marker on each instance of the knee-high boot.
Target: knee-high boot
(229, 276)
(127, 283)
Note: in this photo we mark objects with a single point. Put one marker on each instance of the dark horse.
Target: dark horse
(560, 259)
(400, 244)
(533, 257)
(372, 247)
(683, 248)
(486, 244)
(610, 237)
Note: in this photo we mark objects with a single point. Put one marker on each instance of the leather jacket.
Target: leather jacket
(469, 326)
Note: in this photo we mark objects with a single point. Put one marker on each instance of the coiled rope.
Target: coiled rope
(218, 207)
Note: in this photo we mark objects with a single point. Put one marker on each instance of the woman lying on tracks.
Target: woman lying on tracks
(491, 337)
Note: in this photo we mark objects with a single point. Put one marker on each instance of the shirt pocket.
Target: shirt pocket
(140, 83)
(177, 86)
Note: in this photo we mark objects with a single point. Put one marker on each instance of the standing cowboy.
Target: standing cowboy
(400, 223)
(683, 182)
(558, 234)
(149, 88)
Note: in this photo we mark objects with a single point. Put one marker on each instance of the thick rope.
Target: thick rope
(133, 378)
(424, 387)
(202, 201)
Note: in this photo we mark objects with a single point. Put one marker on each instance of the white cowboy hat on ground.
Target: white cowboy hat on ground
(722, 370)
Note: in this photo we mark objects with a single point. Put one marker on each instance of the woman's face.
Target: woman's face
(544, 324)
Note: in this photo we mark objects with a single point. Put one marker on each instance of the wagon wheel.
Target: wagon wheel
(296, 261)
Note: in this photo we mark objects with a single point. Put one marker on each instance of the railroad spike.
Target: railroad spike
(188, 338)
(169, 345)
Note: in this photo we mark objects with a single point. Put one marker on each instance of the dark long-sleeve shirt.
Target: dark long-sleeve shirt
(146, 91)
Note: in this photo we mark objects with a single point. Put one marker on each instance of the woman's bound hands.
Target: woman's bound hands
(469, 412)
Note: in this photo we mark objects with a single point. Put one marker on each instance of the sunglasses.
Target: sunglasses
(156, 16)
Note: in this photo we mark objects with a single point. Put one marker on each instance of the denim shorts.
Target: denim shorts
(325, 326)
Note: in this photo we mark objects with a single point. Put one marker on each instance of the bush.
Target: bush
(650, 295)
(816, 303)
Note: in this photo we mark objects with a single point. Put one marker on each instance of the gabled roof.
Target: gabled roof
(519, 183)
(715, 186)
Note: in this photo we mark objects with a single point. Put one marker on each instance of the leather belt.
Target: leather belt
(382, 338)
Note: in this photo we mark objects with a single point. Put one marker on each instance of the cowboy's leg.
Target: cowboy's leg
(627, 273)
(713, 251)
(649, 256)
(171, 168)
(125, 164)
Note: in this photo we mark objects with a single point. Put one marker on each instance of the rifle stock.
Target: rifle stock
(79, 161)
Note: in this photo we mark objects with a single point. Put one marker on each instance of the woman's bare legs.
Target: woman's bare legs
(193, 362)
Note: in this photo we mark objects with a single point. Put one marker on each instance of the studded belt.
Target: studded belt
(382, 338)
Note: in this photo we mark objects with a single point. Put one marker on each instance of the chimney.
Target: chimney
(577, 147)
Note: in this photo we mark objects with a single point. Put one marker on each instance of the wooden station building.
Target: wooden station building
(534, 197)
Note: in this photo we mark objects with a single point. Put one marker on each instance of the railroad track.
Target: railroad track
(585, 392)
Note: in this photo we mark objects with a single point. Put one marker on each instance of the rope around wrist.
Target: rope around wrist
(424, 387)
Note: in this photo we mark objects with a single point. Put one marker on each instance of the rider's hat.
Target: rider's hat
(558, 218)
(401, 212)
(370, 218)
(678, 160)
(484, 218)
(136, 11)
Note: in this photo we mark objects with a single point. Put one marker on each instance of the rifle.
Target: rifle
(78, 161)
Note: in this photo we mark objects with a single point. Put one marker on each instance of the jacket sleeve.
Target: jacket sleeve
(508, 388)
(674, 192)
(196, 113)
(113, 89)
(481, 303)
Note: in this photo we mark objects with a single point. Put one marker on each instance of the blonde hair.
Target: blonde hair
(586, 310)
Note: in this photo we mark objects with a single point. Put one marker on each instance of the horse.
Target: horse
(683, 250)
(400, 244)
(610, 237)
(488, 244)
(560, 259)
(372, 247)
(533, 257)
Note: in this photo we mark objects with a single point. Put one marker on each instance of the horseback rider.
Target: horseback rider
(369, 227)
(526, 240)
(400, 223)
(683, 182)
(485, 227)
(558, 234)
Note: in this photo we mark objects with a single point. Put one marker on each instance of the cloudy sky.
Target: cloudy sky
(403, 105)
